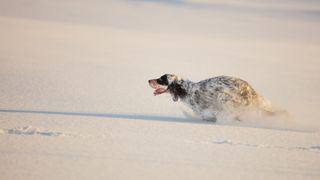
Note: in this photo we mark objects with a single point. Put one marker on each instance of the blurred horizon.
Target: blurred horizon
(277, 20)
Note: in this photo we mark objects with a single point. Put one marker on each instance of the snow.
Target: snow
(75, 101)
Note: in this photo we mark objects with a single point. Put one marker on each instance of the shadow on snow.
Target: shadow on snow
(108, 115)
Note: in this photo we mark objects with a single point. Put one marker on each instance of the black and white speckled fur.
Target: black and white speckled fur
(213, 97)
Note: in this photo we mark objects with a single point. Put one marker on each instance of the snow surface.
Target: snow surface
(75, 103)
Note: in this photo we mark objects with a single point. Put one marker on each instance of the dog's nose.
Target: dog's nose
(149, 81)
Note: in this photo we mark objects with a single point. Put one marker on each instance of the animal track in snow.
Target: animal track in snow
(29, 130)
(314, 148)
(229, 142)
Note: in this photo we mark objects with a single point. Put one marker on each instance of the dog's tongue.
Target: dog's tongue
(159, 91)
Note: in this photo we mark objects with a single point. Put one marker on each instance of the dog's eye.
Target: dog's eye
(163, 78)
(162, 81)
(159, 81)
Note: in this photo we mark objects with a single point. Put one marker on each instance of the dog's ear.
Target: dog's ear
(177, 91)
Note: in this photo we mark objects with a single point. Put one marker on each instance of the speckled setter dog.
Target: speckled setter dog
(212, 97)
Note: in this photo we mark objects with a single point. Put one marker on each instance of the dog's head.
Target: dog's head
(168, 83)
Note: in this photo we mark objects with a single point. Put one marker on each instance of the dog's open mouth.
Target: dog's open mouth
(159, 90)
